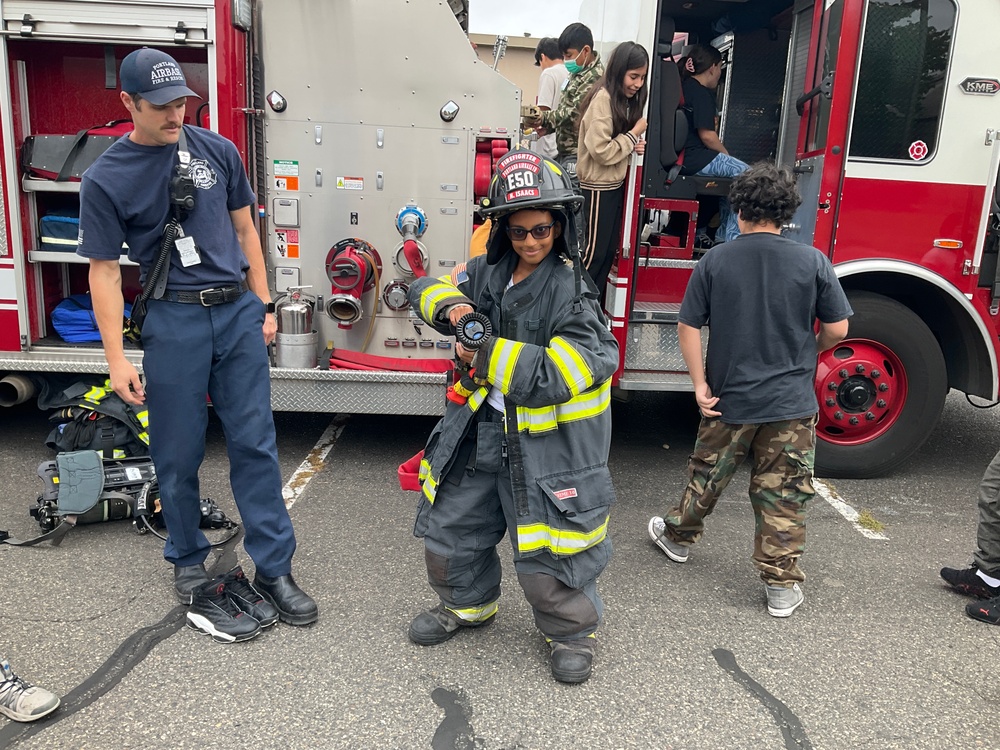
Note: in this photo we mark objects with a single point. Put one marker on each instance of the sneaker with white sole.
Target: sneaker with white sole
(22, 701)
(214, 613)
(658, 533)
(783, 600)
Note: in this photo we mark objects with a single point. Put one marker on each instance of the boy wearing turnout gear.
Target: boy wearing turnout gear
(526, 452)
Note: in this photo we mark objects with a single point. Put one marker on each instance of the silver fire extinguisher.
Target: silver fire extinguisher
(296, 339)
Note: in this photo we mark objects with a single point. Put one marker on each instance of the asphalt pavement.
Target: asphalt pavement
(880, 655)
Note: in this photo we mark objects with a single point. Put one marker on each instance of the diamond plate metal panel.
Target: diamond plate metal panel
(654, 346)
(340, 391)
(351, 392)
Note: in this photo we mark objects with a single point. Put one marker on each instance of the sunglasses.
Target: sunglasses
(539, 232)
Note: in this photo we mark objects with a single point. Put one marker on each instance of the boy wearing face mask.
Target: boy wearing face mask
(583, 63)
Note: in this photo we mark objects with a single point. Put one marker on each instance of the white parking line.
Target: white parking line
(830, 495)
(313, 462)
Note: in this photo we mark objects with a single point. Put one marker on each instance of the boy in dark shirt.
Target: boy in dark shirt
(704, 153)
(755, 391)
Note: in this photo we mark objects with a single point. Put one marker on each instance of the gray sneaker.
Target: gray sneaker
(658, 533)
(783, 600)
(22, 701)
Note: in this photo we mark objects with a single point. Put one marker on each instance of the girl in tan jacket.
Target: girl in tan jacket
(611, 128)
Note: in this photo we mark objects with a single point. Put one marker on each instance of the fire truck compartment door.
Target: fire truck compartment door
(110, 20)
(808, 174)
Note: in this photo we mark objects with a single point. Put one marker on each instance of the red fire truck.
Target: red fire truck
(370, 128)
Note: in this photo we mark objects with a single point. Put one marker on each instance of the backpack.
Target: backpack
(94, 417)
(74, 320)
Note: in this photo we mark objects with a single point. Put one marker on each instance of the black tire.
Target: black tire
(898, 328)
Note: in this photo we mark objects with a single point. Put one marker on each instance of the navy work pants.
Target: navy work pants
(191, 351)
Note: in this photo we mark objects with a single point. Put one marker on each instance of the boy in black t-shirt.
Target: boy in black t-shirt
(756, 392)
(704, 153)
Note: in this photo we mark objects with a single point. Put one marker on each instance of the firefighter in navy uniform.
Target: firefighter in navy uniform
(523, 448)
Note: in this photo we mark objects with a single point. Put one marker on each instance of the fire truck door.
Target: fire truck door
(824, 107)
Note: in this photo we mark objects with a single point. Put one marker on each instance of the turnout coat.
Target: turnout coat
(552, 356)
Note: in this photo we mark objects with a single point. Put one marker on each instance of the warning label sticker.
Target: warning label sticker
(286, 174)
(286, 243)
(350, 183)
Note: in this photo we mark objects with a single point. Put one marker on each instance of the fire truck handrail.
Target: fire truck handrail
(123, 39)
(855, 267)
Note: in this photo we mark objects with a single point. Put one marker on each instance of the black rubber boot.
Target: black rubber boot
(294, 605)
(187, 578)
(439, 625)
(572, 661)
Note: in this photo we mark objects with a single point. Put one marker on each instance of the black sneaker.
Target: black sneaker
(214, 613)
(985, 611)
(965, 581)
(248, 599)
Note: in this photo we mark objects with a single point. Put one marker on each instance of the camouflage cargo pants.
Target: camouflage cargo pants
(780, 487)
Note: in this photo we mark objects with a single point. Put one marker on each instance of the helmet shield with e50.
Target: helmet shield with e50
(525, 180)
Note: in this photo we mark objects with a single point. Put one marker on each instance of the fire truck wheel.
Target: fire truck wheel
(880, 391)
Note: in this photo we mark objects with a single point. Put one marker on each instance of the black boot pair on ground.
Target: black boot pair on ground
(570, 661)
(968, 581)
(230, 609)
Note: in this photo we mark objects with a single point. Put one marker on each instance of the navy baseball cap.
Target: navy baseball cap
(154, 75)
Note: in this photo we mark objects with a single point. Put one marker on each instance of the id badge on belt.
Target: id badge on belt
(187, 249)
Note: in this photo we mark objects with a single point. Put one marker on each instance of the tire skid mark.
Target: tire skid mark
(789, 724)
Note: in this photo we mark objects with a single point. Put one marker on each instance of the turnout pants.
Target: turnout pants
(987, 555)
(473, 509)
(191, 351)
(780, 487)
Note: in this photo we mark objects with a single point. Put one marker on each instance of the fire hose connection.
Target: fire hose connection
(352, 267)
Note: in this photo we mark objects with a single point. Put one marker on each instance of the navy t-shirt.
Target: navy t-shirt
(699, 106)
(760, 295)
(125, 197)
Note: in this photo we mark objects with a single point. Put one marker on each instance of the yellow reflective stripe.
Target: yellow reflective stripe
(540, 419)
(94, 395)
(571, 365)
(429, 486)
(546, 418)
(476, 614)
(143, 417)
(503, 360)
(536, 536)
(590, 404)
(433, 296)
(425, 469)
(477, 398)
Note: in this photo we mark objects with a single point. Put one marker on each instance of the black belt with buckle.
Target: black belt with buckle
(219, 295)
